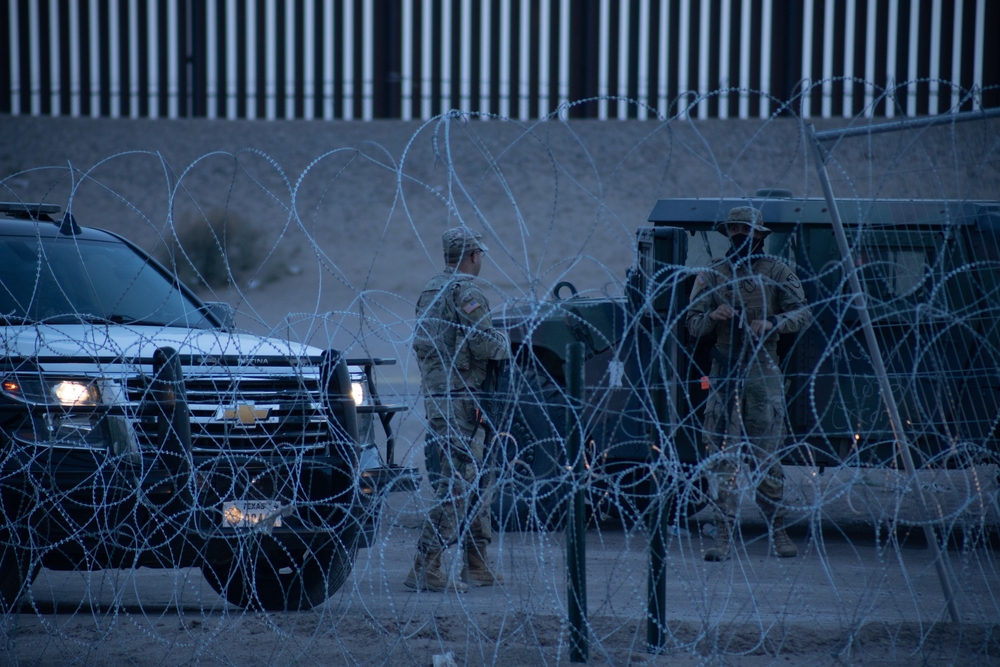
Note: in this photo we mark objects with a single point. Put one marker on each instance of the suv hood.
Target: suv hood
(123, 343)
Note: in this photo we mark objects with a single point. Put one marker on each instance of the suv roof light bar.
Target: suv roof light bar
(29, 210)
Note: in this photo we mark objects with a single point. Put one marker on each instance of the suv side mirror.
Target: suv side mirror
(223, 312)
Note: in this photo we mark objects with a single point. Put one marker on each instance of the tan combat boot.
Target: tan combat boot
(426, 575)
(783, 545)
(723, 547)
(477, 570)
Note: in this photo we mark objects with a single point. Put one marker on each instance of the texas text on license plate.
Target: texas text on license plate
(248, 513)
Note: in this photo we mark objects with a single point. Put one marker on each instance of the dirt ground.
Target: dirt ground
(332, 228)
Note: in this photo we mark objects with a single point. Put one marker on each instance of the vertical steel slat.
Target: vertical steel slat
(725, 35)
(251, 59)
(212, 59)
(623, 52)
(524, 60)
(35, 62)
(152, 53)
(290, 52)
(704, 48)
(956, 57)
(912, 53)
(74, 57)
(14, 36)
(765, 58)
(173, 61)
(505, 58)
(309, 59)
(368, 60)
(55, 87)
(683, 49)
(933, 102)
(445, 73)
(663, 61)
(643, 71)
(485, 51)
(870, 27)
(977, 58)
(850, 26)
(745, 9)
(232, 65)
(328, 59)
(564, 24)
(95, 58)
(271, 60)
(544, 53)
(890, 61)
(465, 78)
(133, 57)
(805, 79)
(348, 60)
(604, 53)
(826, 106)
(426, 32)
(114, 60)
(406, 63)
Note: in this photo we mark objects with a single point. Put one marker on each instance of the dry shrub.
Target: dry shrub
(216, 247)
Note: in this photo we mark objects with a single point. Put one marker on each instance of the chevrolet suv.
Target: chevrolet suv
(138, 428)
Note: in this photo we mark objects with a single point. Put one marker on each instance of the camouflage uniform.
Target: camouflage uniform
(746, 403)
(454, 341)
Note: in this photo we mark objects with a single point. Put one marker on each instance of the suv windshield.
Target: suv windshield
(68, 280)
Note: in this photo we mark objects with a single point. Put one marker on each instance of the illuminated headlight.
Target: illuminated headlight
(358, 391)
(68, 393)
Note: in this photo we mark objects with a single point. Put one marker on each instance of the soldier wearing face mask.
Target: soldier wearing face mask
(748, 299)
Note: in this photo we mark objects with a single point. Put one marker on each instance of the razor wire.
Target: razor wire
(128, 556)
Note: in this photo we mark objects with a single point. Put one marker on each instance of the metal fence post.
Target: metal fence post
(861, 305)
(576, 536)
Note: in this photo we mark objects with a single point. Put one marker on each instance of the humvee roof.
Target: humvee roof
(784, 214)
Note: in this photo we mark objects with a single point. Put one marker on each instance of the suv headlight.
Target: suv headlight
(358, 391)
(359, 386)
(48, 391)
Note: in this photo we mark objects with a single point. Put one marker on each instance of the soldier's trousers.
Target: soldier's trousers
(745, 420)
(465, 486)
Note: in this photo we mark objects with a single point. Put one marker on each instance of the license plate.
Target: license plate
(248, 513)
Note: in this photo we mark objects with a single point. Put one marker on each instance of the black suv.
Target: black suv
(138, 428)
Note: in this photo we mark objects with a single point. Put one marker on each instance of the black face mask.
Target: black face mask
(740, 243)
(744, 245)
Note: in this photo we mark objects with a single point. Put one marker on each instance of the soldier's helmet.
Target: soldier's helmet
(745, 214)
(459, 240)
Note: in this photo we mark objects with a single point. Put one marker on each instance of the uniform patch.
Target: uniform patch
(471, 306)
(701, 279)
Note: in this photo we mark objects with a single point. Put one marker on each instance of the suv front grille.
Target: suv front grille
(246, 415)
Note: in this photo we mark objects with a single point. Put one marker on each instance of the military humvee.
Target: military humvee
(931, 270)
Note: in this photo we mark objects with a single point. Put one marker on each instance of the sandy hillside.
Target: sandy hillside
(323, 217)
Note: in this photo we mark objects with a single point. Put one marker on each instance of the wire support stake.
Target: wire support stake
(861, 305)
(576, 535)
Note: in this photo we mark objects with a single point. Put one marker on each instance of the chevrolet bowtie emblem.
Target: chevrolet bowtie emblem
(246, 414)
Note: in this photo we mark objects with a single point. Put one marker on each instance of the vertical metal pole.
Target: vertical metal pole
(576, 552)
(659, 517)
(861, 305)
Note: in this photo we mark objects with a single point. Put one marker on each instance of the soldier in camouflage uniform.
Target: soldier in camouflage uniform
(454, 342)
(747, 298)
